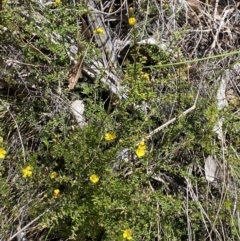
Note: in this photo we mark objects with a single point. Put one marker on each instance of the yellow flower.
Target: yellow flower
(132, 21)
(146, 77)
(99, 31)
(165, 5)
(2, 153)
(27, 172)
(127, 234)
(110, 136)
(57, 2)
(94, 178)
(56, 193)
(53, 175)
(85, 10)
(141, 149)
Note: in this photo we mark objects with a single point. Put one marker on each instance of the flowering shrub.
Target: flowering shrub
(98, 181)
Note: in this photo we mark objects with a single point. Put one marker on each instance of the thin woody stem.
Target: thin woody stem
(170, 121)
(175, 118)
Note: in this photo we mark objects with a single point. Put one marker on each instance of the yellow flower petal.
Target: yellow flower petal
(27, 172)
(142, 144)
(57, 2)
(110, 136)
(99, 31)
(29, 168)
(94, 178)
(53, 175)
(141, 149)
(56, 193)
(140, 152)
(2, 153)
(127, 234)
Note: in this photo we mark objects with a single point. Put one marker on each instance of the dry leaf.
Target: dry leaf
(75, 73)
(211, 169)
(194, 4)
(85, 30)
(77, 108)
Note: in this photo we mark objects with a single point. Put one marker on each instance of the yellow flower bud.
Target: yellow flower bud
(132, 21)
